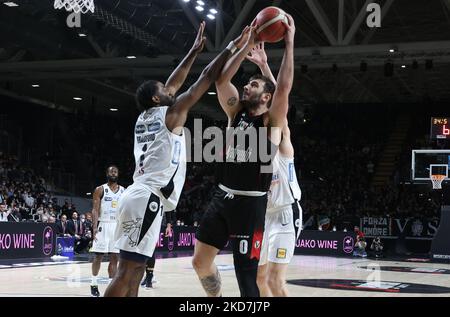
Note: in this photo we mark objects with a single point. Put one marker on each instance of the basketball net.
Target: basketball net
(76, 6)
(437, 181)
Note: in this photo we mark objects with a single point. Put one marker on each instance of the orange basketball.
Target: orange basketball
(269, 24)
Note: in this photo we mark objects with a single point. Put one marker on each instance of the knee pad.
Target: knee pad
(151, 262)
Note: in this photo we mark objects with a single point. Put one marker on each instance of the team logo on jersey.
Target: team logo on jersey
(145, 138)
(153, 206)
(281, 253)
(257, 244)
(140, 129)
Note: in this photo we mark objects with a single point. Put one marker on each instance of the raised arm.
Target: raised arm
(177, 114)
(227, 93)
(280, 102)
(258, 56)
(97, 197)
(179, 75)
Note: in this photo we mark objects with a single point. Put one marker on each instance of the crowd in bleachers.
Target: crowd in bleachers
(24, 196)
(337, 150)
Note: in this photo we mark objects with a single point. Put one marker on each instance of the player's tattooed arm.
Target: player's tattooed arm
(212, 284)
(232, 101)
(225, 89)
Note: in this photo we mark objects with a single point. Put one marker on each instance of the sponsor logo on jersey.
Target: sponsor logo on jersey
(140, 129)
(242, 125)
(281, 253)
(176, 153)
(291, 172)
(145, 138)
(108, 199)
(154, 127)
(257, 244)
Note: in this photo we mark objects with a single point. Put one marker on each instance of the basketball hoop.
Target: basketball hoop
(76, 6)
(437, 181)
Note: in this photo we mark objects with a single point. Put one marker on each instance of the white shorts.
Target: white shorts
(139, 221)
(104, 239)
(280, 233)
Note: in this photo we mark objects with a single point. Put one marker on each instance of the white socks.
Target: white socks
(94, 280)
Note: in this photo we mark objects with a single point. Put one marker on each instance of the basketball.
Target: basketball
(270, 27)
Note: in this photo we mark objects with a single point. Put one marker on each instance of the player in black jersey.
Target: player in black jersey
(237, 210)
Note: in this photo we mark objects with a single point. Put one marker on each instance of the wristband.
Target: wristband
(232, 47)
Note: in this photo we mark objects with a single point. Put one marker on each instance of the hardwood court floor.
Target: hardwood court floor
(323, 276)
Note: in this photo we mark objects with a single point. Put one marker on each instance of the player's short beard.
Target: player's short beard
(111, 179)
(251, 103)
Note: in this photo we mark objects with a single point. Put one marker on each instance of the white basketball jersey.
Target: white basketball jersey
(109, 203)
(284, 189)
(160, 157)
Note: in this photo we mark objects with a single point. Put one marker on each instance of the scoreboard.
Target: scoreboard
(440, 128)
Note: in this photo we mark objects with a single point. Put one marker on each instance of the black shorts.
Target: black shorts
(239, 219)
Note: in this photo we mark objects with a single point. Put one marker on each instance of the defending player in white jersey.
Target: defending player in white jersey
(105, 207)
(160, 156)
(284, 214)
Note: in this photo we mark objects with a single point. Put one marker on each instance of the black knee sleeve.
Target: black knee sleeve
(150, 263)
(246, 270)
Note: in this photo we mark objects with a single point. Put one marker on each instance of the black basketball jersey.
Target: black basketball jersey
(241, 169)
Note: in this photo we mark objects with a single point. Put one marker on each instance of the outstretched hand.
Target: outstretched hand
(200, 39)
(242, 38)
(258, 55)
(290, 29)
(253, 38)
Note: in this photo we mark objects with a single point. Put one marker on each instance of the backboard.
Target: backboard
(427, 162)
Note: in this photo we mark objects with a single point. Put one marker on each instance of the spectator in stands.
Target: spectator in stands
(61, 227)
(377, 247)
(55, 205)
(361, 244)
(77, 230)
(65, 207)
(4, 212)
(15, 213)
(29, 200)
(44, 215)
(51, 219)
(86, 220)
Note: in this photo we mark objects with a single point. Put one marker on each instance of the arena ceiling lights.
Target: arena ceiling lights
(204, 8)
